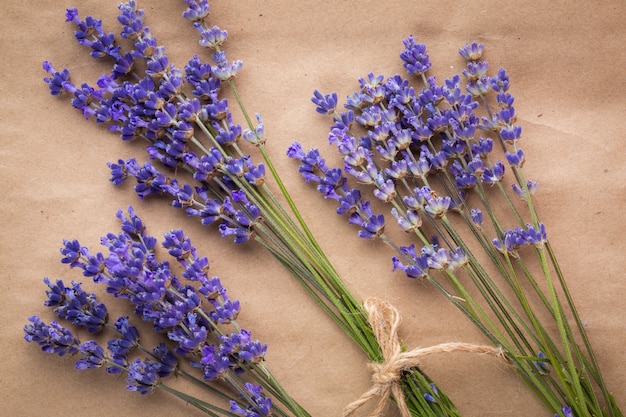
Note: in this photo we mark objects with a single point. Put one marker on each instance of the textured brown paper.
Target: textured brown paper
(566, 61)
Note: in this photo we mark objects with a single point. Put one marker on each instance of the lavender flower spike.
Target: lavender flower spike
(142, 376)
(58, 82)
(223, 69)
(416, 60)
(325, 103)
(261, 405)
(471, 52)
(94, 356)
(197, 10)
(211, 38)
(52, 338)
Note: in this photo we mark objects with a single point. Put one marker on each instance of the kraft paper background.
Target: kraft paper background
(566, 60)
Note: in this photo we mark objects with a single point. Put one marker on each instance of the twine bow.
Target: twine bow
(385, 320)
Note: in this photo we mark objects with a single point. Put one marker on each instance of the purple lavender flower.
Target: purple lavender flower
(325, 103)
(196, 10)
(408, 223)
(493, 175)
(159, 63)
(515, 238)
(500, 82)
(477, 217)
(128, 341)
(75, 305)
(519, 191)
(93, 356)
(515, 158)
(242, 222)
(482, 147)
(437, 258)
(507, 115)
(189, 335)
(149, 180)
(537, 235)
(415, 266)
(472, 51)
(224, 311)
(372, 225)
(58, 82)
(179, 246)
(478, 87)
(457, 259)
(142, 376)
(213, 37)
(52, 338)
(350, 202)
(213, 364)
(311, 161)
(397, 169)
(260, 404)
(385, 188)
(476, 70)
(437, 206)
(542, 365)
(511, 240)
(463, 179)
(210, 211)
(91, 34)
(223, 69)
(228, 135)
(511, 134)
(131, 224)
(166, 360)
(183, 197)
(257, 135)
(419, 168)
(71, 252)
(211, 288)
(206, 85)
(254, 174)
(415, 58)
(242, 347)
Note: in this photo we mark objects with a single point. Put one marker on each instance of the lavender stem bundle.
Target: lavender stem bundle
(190, 132)
(192, 310)
(429, 154)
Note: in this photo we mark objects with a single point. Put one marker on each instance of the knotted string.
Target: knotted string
(385, 320)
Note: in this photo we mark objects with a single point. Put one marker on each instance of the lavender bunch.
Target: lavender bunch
(193, 312)
(196, 161)
(436, 155)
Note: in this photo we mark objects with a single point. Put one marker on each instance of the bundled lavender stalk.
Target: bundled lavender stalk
(229, 364)
(428, 153)
(190, 131)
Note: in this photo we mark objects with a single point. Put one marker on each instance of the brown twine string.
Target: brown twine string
(385, 320)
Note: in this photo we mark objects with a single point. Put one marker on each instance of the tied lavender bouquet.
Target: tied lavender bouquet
(191, 311)
(445, 161)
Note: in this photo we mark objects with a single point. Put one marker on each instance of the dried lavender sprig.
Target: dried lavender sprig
(189, 317)
(119, 348)
(132, 271)
(386, 111)
(142, 375)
